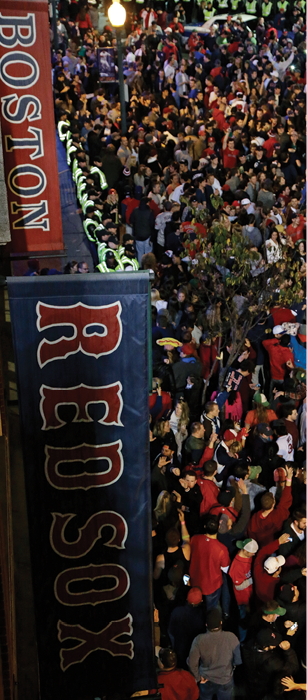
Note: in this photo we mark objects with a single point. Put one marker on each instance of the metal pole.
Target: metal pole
(121, 82)
(54, 25)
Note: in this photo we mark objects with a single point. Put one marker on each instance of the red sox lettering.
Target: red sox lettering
(82, 397)
(80, 317)
(28, 136)
(97, 331)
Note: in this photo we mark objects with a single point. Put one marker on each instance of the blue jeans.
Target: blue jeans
(225, 595)
(242, 626)
(143, 247)
(223, 692)
(213, 599)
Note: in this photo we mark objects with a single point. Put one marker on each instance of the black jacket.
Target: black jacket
(262, 667)
(143, 222)
(112, 168)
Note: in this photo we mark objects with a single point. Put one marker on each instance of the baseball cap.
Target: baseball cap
(278, 610)
(260, 398)
(286, 594)
(214, 619)
(254, 471)
(187, 349)
(225, 497)
(267, 638)
(278, 329)
(112, 239)
(273, 563)
(280, 474)
(236, 203)
(211, 138)
(194, 596)
(229, 435)
(249, 545)
(264, 429)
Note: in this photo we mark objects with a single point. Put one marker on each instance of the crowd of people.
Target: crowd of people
(215, 133)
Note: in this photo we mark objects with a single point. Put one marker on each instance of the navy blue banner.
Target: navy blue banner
(81, 353)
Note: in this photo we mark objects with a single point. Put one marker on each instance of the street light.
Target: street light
(117, 14)
(117, 17)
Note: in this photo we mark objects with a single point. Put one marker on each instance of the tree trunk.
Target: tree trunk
(211, 371)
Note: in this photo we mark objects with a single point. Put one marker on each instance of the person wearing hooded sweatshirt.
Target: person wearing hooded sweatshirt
(142, 221)
(266, 522)
(267, 569)
(174, 682)
(281, 357)
(188, 365)
(264, 657)
(241, 575)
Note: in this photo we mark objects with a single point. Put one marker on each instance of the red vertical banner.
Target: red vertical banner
(28, 128)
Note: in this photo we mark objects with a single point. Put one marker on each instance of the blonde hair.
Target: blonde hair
(235, 447)
(163, 505)
(155, 295)
(159, 429)
(185, 413)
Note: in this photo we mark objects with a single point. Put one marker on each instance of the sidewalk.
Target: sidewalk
(74, 237)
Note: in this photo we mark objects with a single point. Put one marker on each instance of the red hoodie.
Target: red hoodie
(219, 118)
(210, 492)
(130, 205)
(278, 357)
(264, 583)
(177, 685)
(207, 355)
(282, 315)
(263, 529)
(269, 146)
(198, 468)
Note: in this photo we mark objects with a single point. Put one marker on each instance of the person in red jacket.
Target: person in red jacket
(209, 559)
(159, 401)
(84, 22)
(241, 575)
(265, 523)
(267, 569)
(208, 351)
(208, 487)
(225, 504)
(281, 357)
(282, 315)
(206, 456)
(194, 40)
(175, 24)
(128, 205)
(175, 683)
(230, 153)
(296, 229)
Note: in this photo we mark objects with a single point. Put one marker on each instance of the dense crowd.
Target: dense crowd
(215, 135)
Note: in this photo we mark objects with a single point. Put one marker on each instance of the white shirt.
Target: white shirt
(216, 186)
(175, 196)
(300, 535)
(170, 72)
(285, 447)
(273, 251)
